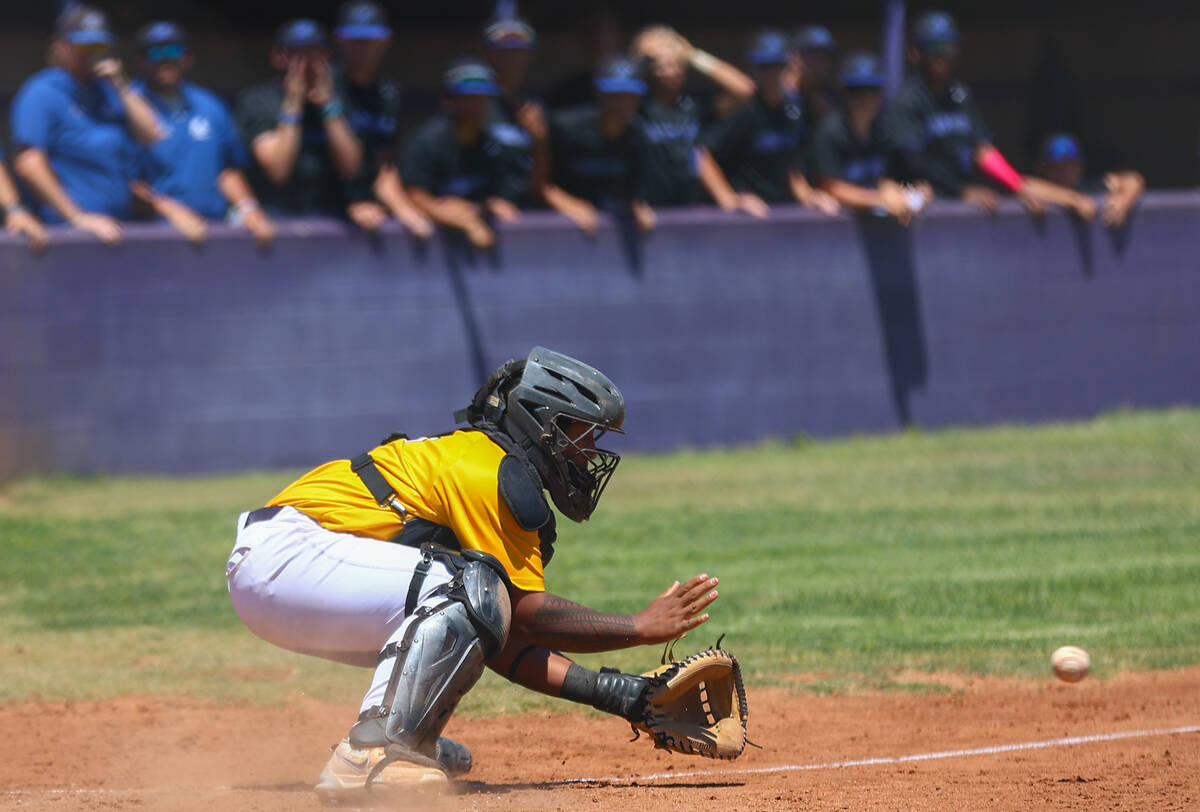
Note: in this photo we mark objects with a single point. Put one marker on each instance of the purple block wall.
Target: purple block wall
(156, 356)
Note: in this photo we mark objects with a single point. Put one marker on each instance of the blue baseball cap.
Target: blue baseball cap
(470, 77)
(620, 75)
(299, 33)
(362, 19)
(510, 33)
(861, 69)
(84, 25)
(768, 48)
(1061, 147)
(161, 32)
(935, 28)
(814, 38)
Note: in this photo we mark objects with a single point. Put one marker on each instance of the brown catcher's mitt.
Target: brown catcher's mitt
(697, 706)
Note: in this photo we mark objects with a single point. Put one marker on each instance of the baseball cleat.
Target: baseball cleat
(454, 757)
(351, 771)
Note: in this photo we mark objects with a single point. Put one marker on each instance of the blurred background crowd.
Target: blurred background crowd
(115, 129)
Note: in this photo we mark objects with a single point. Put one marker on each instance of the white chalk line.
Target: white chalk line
(1066, 741)
(869, 762)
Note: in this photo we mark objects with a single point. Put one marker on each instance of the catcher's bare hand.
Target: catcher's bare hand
(675, 611)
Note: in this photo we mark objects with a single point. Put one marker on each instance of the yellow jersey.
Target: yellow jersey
(449, 480)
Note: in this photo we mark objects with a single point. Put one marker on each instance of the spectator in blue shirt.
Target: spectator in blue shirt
(17, 219)
(198, 163)
(76, 128)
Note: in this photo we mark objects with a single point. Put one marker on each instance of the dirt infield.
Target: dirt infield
(153, 753)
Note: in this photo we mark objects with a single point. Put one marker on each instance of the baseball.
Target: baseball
(1070, 663)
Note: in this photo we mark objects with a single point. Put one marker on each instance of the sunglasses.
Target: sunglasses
(166, 53)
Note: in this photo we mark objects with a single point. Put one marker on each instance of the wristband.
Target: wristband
(245, 206)
(702, 61)
(13, 209)
(289, 117)
(331, 110)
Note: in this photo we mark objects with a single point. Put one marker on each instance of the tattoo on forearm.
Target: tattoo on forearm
(561, 619)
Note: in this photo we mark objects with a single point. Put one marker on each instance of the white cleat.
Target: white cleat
(351, 772)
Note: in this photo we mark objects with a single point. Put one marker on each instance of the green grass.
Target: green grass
(854, 562)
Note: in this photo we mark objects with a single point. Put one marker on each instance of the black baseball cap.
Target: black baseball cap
(84, 25)
(362, 19)
(299, 33)
(510, 33)
(161, 32)
(935, 28)
(768, 48)
(861, 69)
(470, 77)
(620, 74)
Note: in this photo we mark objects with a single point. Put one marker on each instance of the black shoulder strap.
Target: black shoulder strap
(383, 493)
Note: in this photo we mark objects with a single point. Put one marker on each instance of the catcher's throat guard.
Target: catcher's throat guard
(697, 706)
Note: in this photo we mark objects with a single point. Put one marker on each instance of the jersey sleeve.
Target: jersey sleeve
(33, 114)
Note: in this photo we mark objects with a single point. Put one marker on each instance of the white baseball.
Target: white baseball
(1070, 663)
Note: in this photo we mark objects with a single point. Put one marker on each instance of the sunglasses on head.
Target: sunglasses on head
(166, 53)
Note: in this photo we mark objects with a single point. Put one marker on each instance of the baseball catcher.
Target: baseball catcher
(424, 559)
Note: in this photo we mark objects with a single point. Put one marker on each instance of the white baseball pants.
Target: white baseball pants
(332, 595)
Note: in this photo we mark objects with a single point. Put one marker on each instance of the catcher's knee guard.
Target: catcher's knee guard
(438, 658)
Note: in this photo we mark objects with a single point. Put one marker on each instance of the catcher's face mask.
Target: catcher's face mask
(583, 469)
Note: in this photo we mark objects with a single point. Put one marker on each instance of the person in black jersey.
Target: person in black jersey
(761, 146)
(937, 129)
(372, 104)
(810, 71)
(451, 164)
(677, 165)
(517, 123)
(302, 145)
(596, 152)
(852, 158)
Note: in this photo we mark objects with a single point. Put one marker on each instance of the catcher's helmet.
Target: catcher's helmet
(556, 408)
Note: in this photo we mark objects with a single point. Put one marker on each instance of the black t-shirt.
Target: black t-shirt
(758, 146)
(936, 136)
(435, 161)
(670, 135)
(371, 111)
(586, 164)
(839, 154)
(515, 146)
(313, 187)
